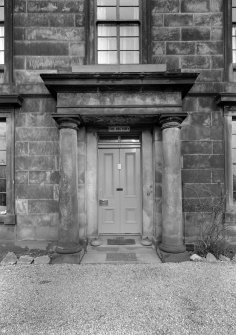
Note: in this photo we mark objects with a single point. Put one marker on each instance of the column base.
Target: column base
(175, 249)
(68, 248)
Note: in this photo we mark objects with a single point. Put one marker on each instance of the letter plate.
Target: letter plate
(103, 202)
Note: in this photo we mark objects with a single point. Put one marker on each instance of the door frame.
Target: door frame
(116, 144)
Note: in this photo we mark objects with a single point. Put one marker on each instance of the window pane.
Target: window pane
(1, 57)
(234, 14)
(234, 3)
(2, 157)
(106, 13)
(107, 30)
(1, 31)
(2, 199)
(234, 30)
(107, 57)
(1, 2)
(107, 44)
(129, 57)
(3, 185)
(130, 2)
(1, 13)
(129, 13)
(2, 171)
(1, 44)
(131, 30)
(127, 43)
(106, 2)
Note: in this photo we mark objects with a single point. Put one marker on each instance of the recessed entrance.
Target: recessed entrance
(119, 191)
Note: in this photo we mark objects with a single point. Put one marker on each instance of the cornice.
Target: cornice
(11, 100)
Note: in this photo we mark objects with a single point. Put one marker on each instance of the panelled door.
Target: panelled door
(119, 201)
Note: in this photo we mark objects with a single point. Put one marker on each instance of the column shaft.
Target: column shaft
(172, 230)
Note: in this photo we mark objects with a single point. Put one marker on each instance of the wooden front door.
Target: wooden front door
(119, 200)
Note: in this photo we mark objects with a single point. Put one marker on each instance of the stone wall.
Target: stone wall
(36, 170)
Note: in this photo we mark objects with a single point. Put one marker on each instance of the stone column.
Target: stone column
(172, 228)
(68, 234)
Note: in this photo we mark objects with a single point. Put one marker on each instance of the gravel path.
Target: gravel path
(161, 299)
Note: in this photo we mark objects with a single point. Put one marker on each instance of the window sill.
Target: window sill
(8, 219)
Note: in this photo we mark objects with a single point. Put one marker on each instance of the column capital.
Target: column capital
(67, 121)
(171, 121)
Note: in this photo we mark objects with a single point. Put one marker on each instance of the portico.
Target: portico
(149, 104)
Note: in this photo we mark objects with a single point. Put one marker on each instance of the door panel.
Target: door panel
(108, 204)
(119, 184)
(131, 200)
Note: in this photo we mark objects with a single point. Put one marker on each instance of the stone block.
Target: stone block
(201, 190)
(172, 63)
(158, 48)
(203, 161)
(218, 176)
(21, 148)
(79, 20)
(9, 259)
(165, 6)
(195, 133)
(54, 34)
(48, 63)
(56, 192)
(210, 19)
(37, 134)
(196, 33)
(217, 62)
(25, 233)
(27, 77)
(21, 177)
(210, 76)
(34, 191)
(44, 177)
(180, 48)
(21, 206)
(195, 62)
(41, 49)
(42, 260)
(20, 6)
(196, 176)
(190, 104)
(20, 119)
(7, 233)
(216, 6)
(32, 20)
(218, 147)
(41, 119)
(209, 48)
(19, 35)
(208, 104)
(77, 49)
(35, 163)
(165, 34)
(25, 260)
(178, 20)
(217, 34)
(43, 148)
(196, 147)
(47, 233)
(43, 206)
(19, 63)
(157, 20)
(201, 205)
(59, 20)
(39, 105)
(217, 133)
(33, 220)
(195, 6)
(55, 6)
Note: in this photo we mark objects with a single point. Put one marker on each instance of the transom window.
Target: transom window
(2, 32)
(118, 31)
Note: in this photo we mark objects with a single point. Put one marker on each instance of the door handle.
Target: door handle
(103, 202)
(119, 189)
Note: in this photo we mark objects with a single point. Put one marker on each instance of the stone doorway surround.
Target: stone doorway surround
(98, 96)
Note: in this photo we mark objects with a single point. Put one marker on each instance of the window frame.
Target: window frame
(91, 36)
(7, 67)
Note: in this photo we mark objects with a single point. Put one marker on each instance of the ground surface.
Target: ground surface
(185, 298)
